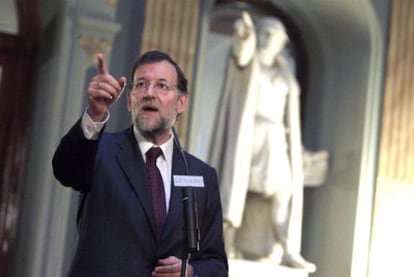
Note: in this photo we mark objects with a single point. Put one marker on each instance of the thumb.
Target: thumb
(102, 67)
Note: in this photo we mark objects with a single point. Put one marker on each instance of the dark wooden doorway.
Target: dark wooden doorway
(17, 52)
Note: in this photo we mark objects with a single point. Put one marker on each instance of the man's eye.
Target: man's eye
(139, 85)
(163, 86)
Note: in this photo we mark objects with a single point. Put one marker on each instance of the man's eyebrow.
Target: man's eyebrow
(158, 80)
(164, 80)
(139, 78)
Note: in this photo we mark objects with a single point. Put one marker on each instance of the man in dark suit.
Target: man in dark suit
(124, 230)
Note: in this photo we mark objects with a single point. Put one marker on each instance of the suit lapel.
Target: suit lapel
(132, 163)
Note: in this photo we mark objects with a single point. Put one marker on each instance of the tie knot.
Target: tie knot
(152, 154)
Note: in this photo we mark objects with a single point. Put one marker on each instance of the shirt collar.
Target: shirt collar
(145, 145)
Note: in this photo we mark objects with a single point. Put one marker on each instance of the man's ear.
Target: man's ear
(182, 103)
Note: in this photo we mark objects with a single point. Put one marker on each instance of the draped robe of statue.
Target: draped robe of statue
(257, 150)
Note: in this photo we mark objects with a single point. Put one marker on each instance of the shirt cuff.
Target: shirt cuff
(90, 128)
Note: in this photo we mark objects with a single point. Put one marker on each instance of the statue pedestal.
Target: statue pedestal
(245, 268)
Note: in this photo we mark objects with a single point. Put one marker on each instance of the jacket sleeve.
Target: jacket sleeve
(73, 159)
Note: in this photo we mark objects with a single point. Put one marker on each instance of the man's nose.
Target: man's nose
(150, 89)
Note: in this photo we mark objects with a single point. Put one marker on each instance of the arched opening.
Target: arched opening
(344, 47)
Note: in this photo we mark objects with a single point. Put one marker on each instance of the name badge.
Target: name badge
(188, 181)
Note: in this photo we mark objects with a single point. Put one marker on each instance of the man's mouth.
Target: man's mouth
(150, 108)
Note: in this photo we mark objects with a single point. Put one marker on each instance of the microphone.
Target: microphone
(189, 207)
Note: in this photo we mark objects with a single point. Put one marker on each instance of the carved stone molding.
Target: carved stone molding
(112, 2)
(97, 36)
(94, 46)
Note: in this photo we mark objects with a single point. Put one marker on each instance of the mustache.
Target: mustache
(148, 104)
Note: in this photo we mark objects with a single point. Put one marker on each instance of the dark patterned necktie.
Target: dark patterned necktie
(157, 188)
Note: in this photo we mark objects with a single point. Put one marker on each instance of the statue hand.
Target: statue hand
(244, 26)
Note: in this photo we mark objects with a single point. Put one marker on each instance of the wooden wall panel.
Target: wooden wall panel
(396, 160)
(171, 26)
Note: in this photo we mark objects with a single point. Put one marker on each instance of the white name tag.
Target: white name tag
(188, 181)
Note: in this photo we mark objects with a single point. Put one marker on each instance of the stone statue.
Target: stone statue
(257, 147)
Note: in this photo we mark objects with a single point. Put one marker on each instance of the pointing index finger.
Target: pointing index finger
(102, 67)
(247, 19)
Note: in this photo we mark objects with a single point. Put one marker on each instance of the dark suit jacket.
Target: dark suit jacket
(116, 221)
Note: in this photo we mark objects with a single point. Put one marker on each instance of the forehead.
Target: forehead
(156, 71)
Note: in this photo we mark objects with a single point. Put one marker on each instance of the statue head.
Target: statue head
(271, 36)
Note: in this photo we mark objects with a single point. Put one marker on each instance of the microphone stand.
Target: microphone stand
(191, 230)
(191, 227)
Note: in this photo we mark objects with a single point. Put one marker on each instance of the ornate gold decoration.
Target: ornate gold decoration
(112, 2)
(93, 46)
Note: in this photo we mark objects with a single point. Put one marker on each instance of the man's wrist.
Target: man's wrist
(96, 117)
(90, 128)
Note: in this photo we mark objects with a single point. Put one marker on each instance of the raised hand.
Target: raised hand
(103, 91)
(244, 26)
